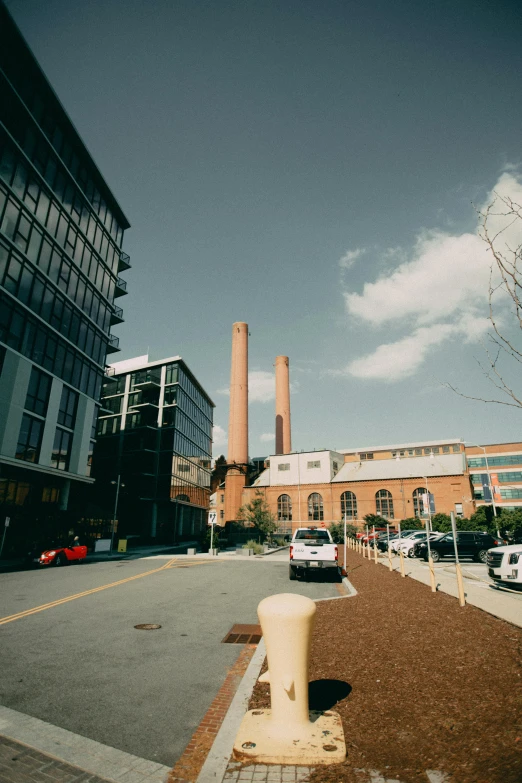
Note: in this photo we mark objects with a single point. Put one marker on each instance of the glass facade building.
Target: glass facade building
(61, 233)
(155, 432)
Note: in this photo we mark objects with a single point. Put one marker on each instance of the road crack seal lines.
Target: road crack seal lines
(35, 610)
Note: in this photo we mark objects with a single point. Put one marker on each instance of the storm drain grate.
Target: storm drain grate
(243, 634)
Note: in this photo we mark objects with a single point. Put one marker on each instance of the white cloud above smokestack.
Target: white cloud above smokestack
(433, 294)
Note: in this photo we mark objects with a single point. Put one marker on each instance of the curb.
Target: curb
(218, 758)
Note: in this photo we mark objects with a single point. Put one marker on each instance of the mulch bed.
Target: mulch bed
(420, 682)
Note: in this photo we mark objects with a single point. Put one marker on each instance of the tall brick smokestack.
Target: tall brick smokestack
(238, 421)
(283, 443)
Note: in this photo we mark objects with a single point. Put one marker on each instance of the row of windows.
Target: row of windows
(503, 478)
(383, 505)
(188, 493)
(504, 461)
(22, 230)
(113, 384)
(41, 297)
(16, 493)
(38, 391)
(428, 451)
(109, 426)
(32, 339)
(26, 133)
(49, 215)
(193, 412)
(507, 494)
(193, 392)
(184, 425)
(189, 470)
(146, 376)
(187, 448)
(31, 430)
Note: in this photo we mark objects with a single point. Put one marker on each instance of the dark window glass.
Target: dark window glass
(384, 503)
(61, 449)
(38, 392)
(284, 508)
(29, 440)
(315, 507)
(348, 506)
(68, 406)
(10, 219)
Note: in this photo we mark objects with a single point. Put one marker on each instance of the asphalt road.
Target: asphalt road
(82, 665)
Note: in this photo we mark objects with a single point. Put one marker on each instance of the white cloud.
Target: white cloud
(261, 386)
(267, 436)
(438, 292)
(219, 436)
(350, 257)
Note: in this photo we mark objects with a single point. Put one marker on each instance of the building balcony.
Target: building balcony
(146, 380)
(121, 287)
(139, 406)
(113, 344)
(117, 315)
(124, 262)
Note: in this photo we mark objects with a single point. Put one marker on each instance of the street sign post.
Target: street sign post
(212, 518)
(6, 525)
(460, 585)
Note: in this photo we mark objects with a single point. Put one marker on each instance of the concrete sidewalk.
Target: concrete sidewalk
(19, 563)
(479, 592)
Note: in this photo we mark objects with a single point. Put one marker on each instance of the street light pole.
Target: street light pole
(489, 483)
(114, 516)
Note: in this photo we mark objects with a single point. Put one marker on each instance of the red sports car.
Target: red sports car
(62, 555)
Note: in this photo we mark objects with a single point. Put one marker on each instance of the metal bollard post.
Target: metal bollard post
(289, 733)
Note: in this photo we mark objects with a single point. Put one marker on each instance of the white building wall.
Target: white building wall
(300, 470)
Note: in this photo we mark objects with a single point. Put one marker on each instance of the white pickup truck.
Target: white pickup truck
(312, 548)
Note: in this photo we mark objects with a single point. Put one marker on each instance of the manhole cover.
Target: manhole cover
(243, 634)
(147, 627)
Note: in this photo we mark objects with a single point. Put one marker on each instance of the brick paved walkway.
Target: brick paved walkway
(21, 764)
(187, 769)
(263, 773)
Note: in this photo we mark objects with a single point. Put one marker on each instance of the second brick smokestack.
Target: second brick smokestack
(238, 418)
(283, 444)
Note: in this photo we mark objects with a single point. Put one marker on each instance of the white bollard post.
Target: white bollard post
(289, 733)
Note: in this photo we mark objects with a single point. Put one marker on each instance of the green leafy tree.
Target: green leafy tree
(412, 523)
(377, 520)
(337, 531)
(441, 522)
(258, 514)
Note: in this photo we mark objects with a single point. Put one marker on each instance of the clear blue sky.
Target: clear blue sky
(310, 168)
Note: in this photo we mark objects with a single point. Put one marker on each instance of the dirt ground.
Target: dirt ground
(420, 682)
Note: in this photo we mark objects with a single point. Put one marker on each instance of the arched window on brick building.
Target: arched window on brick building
(315, 507)
(348, 506)
(417, 501)
(384, 503)
(284, 508)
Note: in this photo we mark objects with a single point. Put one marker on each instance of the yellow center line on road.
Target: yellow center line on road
(174, 563)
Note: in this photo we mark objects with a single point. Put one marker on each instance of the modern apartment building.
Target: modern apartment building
(61, 232)
(496, 475)
(154, 443)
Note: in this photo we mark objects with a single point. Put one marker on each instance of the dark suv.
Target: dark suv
(469, 544)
